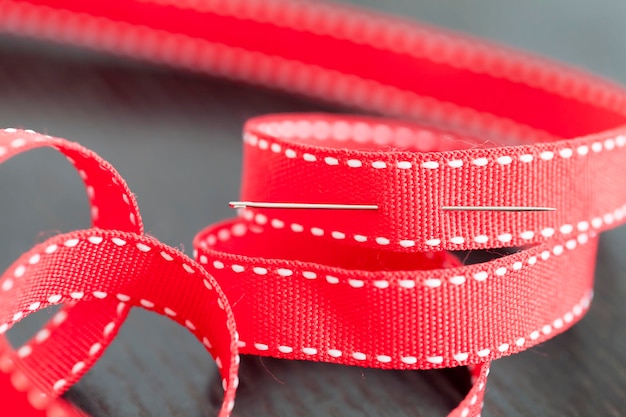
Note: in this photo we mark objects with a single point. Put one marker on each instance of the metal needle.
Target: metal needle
(496, 208)
(325, 206)
(253, 204)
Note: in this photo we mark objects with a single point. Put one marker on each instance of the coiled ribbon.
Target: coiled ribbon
(372, 288)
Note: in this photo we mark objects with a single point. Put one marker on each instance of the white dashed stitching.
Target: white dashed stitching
(460, 357)
(431, 282)
(565, 153)
(546, 232)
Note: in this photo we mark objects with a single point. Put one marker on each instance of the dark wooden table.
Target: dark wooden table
(176, 138)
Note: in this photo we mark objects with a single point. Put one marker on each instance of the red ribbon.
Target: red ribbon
(371, 288)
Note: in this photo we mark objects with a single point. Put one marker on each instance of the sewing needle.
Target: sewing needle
(325, 206)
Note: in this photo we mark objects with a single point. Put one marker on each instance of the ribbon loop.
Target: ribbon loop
(100, 274)
(112, 206)
(129, 270)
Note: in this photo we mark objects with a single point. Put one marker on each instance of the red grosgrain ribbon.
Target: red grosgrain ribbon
(368, 288)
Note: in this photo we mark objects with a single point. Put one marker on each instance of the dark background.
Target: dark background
(175, 137)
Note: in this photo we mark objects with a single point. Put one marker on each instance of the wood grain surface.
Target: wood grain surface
(176, 138)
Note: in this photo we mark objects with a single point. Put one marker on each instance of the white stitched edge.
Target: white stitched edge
(461, 357)
(547, 232)
(44, 333)
(432, 282)
(565, 153)
(95, 240)
(609, 144)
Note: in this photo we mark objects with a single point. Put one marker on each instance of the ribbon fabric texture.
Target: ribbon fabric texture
(490, 127)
